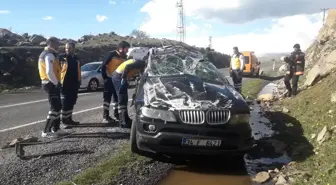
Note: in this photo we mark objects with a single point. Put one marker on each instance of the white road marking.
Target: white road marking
(31, 102)
(41, 121)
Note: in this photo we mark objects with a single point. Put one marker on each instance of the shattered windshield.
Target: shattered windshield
(173, 64)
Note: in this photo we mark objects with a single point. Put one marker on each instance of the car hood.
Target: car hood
(188, 92)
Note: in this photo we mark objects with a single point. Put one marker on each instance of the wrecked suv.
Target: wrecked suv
(184, 106)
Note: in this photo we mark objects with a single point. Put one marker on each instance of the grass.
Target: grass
(252, 87)
(313, 110)
(107, 170)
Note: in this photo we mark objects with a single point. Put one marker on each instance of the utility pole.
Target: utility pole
(181, 33)
(210, 42)
(324, 12)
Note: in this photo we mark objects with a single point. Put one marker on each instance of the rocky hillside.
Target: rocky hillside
(321, 55)
(18, 53)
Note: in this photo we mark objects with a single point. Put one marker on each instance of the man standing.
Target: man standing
(70, 80)
(109, 66)
(237, 67)
(295, 69)
(124, 72)
(50, 73)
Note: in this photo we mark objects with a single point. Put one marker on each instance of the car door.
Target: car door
(99, 77)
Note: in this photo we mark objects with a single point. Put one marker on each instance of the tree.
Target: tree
(139, 34)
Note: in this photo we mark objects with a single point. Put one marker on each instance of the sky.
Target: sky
(263, 26)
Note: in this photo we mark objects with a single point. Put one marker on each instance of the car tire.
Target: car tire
(93, 85)
(133, 137)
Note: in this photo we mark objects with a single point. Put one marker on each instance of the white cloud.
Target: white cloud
(47, 18)
(112, 2)
(279, 36)
(4, 11)
(101, 18)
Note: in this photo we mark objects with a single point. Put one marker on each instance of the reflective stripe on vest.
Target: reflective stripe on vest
(42, 66)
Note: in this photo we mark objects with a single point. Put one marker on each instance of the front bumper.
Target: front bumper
(235, 140)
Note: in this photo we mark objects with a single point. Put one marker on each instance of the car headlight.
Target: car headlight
(158, 114)
(240, 118)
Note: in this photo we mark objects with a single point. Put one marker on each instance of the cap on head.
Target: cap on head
(297, 46)
(235, 48)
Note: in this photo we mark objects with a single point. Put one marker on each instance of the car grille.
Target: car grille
(192, 116)
(216, 117)
(212, 117)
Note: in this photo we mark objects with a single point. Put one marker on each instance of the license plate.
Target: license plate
(201, 142)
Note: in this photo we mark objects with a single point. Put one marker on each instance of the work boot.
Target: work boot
(288, 94)
(106, 117)
(70, 121)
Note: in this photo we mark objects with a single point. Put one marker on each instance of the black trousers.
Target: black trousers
(237, 79)
(54, 97)
(69, 97)
(109, 95)
(292, 89)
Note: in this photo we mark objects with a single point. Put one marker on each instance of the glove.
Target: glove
(123, 82)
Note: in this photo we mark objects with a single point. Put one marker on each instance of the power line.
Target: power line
(324, 12)
(181, 32)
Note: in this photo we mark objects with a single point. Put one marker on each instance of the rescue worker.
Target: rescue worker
(296, 65)
(70, 80)
(124, 72)
(50, 73)
(109, 66)
(237, 67)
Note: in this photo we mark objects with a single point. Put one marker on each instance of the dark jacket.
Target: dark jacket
(298, 60)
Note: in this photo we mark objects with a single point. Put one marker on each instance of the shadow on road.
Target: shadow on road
(290, 132)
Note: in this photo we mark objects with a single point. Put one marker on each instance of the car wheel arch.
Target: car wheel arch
(90, 81)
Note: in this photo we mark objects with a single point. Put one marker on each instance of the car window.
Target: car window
(90, 67)
(246, 59)
(172, 64)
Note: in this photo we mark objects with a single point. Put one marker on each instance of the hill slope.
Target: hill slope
(25, 49)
